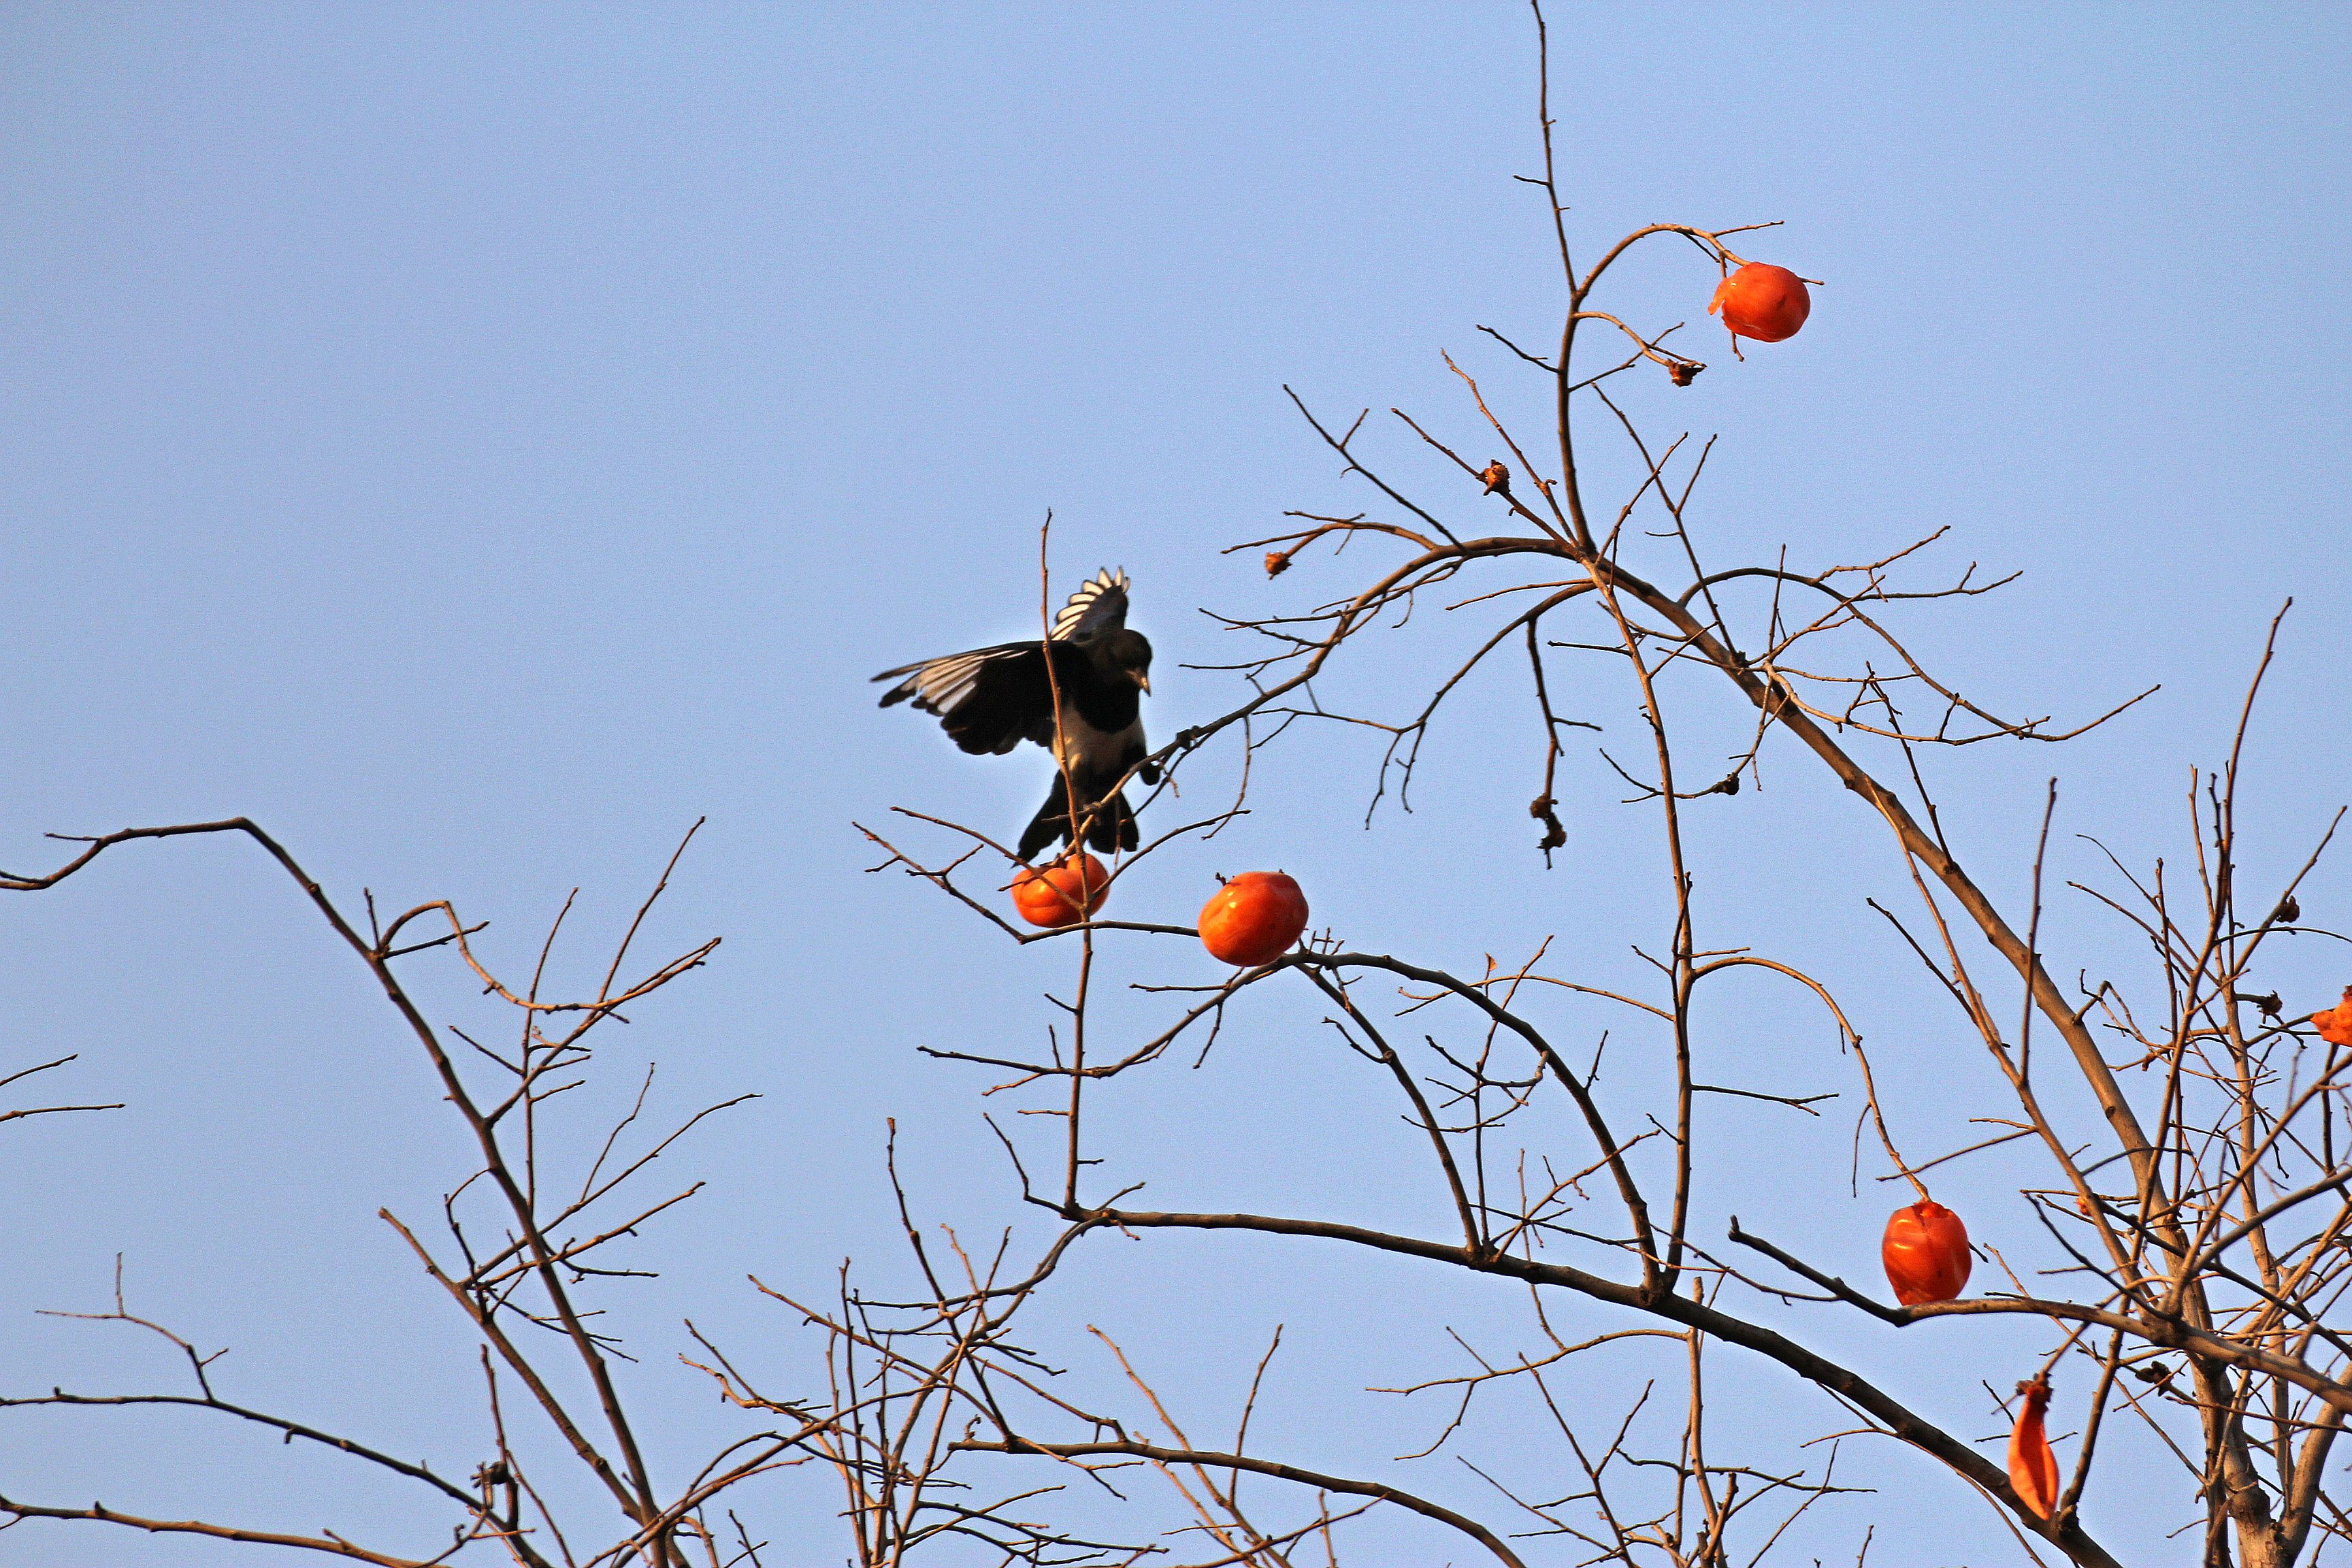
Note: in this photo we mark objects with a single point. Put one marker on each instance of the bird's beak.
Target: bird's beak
(1143, 680)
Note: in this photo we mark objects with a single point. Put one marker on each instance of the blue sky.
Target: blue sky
(478, 442)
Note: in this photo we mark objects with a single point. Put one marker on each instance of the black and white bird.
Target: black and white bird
(993, 699)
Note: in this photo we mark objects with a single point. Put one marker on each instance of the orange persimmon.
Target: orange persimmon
(2335, 1025)
(1927, 1253)
(1254, 919)
(2032, 1468)
(1762, 301)
(1063, 893)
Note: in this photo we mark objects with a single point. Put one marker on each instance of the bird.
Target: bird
(990, 700)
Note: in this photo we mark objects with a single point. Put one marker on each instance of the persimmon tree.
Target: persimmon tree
(2181, 1235)
(2173, 1137)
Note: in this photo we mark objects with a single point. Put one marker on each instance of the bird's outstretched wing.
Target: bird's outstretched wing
(989, 700)
(993, 699)
(1099, 606)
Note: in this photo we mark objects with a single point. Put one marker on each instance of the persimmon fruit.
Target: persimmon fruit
(1762, 301)
(1254, 919)
(2032, 1468)
(2335, 1025)
(1063, 893)
(1927, 1253)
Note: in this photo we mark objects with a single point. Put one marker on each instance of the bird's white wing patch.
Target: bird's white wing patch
(1099, 606)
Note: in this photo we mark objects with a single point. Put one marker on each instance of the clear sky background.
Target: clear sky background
(476, 441)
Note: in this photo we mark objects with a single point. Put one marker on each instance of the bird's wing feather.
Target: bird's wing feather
(988, 699)
(937, 684)
(1099, 606)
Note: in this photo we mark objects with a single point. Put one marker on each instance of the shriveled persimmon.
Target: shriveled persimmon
(1254, 919)
(1762, 301)
(1063, 893)
(2032, 1468)
(2335, 1023)
(1927, 1253)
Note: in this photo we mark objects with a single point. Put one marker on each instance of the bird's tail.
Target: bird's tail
(1109, 823)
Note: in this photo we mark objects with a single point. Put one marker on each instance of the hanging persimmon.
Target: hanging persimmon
(2032, 1468)
(1254, 919)
(1927, 1253)
(1063, 893)
(2335, 1025)
(1762, 301)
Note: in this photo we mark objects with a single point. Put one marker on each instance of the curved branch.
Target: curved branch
(1896, 1418)
(1637, 1207)
(1152, 1451)
(100, 1513)
(277, 1423)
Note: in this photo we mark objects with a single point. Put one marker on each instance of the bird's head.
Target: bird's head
(1124, 653)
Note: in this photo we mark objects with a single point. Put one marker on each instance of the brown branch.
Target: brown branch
(100, 1513)
(1208, 1461)
(262, 1418)
(1892, 1415)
